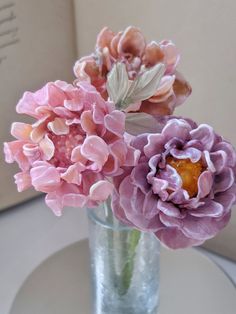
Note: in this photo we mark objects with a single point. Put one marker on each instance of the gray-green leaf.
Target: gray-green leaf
(145, 85)
(118, 83)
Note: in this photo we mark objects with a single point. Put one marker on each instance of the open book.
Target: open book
(40, 41)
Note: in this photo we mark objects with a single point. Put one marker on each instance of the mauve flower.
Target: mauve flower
(182, 188)
(76, 142)
(130, 47)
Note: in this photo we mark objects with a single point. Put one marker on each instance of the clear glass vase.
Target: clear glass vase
(124, 266)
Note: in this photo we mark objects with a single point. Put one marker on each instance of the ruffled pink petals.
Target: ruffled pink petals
(210, 209)
(100, 190)
(174, 213)
(22, 180)
(155, 144)
(47, 147)
(229, 150)
(65, 195)
(153, 54)
(139, 177)
(205, 134)
(96, 150)
(168, 209)
(14, 152)
(45, 177)
(224, 180)
(115, 122)
(27, 105)
(49, 95)
(219, 160)
(21, 131)
(132, 43)
(200, 228)
(87, 122)
(171, 176)
(58, 126)
(177, 127)
(205, 182)
(181, 88)
(175, 239)
(192, 153)
(104, 38)
(171, 55)
(73, 174)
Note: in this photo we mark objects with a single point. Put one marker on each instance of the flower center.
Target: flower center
(189, 173)
(64, 144)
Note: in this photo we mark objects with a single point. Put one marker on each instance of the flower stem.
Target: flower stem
(128, 269)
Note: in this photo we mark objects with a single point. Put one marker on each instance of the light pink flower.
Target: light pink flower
(131, 48)
(76, 142)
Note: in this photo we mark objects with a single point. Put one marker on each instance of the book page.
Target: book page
(37, 44)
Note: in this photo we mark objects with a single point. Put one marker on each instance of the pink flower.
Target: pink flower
(183, 186)
(76, 142)
(131, 48)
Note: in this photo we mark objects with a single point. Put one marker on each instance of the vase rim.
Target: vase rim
(118, 226)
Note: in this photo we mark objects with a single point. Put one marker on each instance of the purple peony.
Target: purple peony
(182, 188)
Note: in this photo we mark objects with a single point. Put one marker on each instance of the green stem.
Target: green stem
(128, 251)
(128, 269)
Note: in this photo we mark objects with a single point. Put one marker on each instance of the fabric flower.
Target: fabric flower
(130, 47)
(76, 142)
(182, 188)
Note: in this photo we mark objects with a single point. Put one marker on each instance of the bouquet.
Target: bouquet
(112, 134)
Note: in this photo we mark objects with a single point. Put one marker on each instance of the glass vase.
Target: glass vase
(124, 266)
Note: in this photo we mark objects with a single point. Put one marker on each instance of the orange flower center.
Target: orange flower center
(189, 173)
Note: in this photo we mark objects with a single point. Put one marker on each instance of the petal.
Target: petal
(205, 182)
(226, 199)
(14, 152)
(192, 153)
(139, 177)
(171, 176)
(224, 180)
(153, 54)
(45, 177)
(58, 126)
(87, 122)
(104, 38)
(182, 89)
(74, 105)
(100, 190)
(74, 200)
(200, 228)
(115, 122)
(47, 147)
(73, 173)
(205, 134)
(22, 180)
(21, 131)
(176, 128)
(154, 146)
(174, 238)
(168, 209)
(219, 160)
(95, 149)
(210, 209)
(27, 105)
(132, 43)
(49, 95)
(229, 150)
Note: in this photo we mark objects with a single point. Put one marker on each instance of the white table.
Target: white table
(30, 234)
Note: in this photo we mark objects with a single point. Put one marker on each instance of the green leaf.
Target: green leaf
(118, 83)
(146, 84)
(139, 123)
